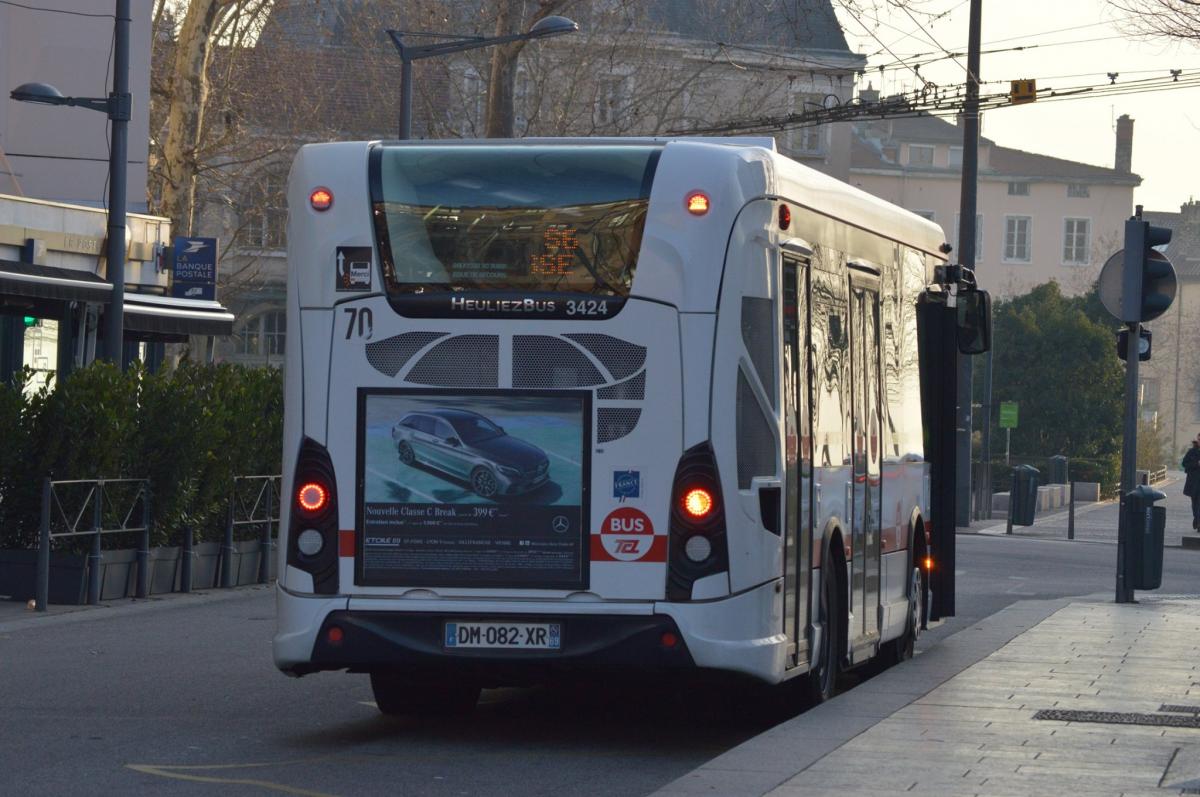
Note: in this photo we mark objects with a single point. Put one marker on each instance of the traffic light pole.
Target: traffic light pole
(1128, 462)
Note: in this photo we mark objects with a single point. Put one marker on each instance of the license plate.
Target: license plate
(511, 636)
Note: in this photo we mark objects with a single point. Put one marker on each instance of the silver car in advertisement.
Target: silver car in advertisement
(465, 445)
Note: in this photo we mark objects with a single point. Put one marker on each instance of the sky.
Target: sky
(1166, 133)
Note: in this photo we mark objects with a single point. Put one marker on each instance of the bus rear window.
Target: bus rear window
(533, 218)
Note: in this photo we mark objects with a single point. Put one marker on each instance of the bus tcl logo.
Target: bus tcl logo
(627, 520)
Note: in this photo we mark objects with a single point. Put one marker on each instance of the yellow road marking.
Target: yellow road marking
(181, 773)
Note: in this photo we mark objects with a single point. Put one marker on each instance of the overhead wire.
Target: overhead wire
(871, 33)
(64, 11)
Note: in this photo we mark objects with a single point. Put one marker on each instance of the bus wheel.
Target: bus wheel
(395, 695)
(821, 682)
(901, 649)
(406, 453)
(483, 482)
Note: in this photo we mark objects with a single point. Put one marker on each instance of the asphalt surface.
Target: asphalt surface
(181, 698)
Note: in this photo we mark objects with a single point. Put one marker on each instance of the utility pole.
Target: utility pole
(966, 249)
(118, 170)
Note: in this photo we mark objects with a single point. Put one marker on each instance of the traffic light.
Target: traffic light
(30, 321)
(1148, 279)
(1145, 344)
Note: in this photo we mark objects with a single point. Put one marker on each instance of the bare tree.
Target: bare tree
(1172, 19)
(510, 19)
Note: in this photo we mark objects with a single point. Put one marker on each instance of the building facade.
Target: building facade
(1038, 218)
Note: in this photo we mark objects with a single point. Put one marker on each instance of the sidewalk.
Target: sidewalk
(1098, 522)
(969, 716)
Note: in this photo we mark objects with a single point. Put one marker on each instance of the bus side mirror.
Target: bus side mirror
(974, 322)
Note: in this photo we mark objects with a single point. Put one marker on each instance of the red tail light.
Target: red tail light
(312, 497)
(321, 199)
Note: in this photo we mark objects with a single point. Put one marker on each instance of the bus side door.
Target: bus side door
(797, 541)
(864, 347)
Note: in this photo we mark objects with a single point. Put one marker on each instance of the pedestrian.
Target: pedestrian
(1191, 487)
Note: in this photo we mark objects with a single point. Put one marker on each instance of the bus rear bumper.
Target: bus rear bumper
(412, 642)
(736, 634)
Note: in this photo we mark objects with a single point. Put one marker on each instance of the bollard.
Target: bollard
(143, 554)
(43, 571)
(227, 546)
(94, 556)
(1071, 514)
(264, 543)
(185, 561)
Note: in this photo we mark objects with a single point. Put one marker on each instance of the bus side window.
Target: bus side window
(831, 394)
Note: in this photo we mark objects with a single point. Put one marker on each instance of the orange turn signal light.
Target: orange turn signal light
(321, 199)
(698, 502)
(697, 203)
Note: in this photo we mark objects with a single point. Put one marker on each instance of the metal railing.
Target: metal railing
(74, 521)
(253, 501)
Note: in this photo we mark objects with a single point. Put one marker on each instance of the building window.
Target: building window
(807, 140)
(1018, 189)
(611, 93)
(263, 217)
(1150, 394)
(1077, 244)
(920, 155)
(1078, 191)
(978, 234)
(1017, 234)
(954, 158)
(264, 335)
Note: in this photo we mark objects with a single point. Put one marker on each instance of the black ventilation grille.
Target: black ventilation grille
(620, 357)
(545, 362)
(462, 361)
(632, 389)
(390, 355)
(614, 423)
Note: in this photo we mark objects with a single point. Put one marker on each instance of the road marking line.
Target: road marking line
(387, 478)
(180, 773)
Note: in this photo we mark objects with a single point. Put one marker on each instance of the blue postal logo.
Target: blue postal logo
(627, 484)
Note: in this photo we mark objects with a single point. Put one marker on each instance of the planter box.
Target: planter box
(164, 570)
(205, 559)
(68, 576)
(118, 573)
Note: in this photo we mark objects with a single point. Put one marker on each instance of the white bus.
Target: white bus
(566, 406)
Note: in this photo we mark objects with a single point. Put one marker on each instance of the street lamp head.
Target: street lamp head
(42, 93)
(552, 26)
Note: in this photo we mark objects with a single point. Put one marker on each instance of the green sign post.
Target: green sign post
(1008, 422)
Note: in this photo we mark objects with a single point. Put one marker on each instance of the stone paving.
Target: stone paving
(960, 718)
(1098, 522)
(976, 733)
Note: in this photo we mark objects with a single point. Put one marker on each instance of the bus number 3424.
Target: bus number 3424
(587, 307)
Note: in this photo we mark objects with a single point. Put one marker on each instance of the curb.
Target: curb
(770, 759)
(173, 600)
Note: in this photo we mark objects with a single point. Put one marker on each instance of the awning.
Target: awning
(49, 282)
(164, 314)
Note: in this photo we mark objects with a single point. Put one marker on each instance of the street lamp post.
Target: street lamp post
(543, 28)
(117, 105)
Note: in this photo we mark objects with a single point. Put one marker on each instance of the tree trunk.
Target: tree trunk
(501, 110)
(188, 91)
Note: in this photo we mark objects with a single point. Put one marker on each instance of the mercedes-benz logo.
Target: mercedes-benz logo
(560, 523)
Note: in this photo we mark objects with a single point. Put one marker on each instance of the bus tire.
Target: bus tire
(484, 483)
(397, 695)
(406, 453)
(902, 648)
(821, 681)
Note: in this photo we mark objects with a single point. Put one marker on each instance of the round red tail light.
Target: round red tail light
(697, 203)
(312, 497)
(698, 503)
(321, 199)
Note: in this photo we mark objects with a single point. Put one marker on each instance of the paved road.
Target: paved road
(183, 699)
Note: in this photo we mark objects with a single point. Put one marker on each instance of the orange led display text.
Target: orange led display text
(561, 243)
